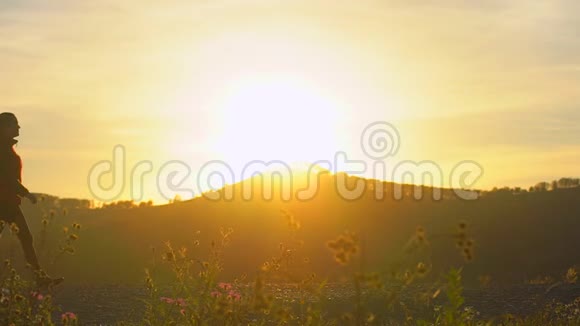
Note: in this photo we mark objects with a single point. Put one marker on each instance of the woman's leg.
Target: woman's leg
(14, 214)
(25, 238)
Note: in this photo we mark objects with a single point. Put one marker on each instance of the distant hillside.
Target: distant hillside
(517, 235)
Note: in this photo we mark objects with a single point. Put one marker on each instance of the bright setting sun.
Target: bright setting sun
(264, 97)
(276, 117)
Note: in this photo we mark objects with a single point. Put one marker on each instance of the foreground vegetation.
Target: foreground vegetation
(194, 282)
(196, 296)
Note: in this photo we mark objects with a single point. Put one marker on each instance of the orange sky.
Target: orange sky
(295, 80)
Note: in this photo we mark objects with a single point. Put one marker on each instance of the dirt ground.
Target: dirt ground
(105, 305)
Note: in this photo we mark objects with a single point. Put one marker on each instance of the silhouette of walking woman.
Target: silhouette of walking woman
(11, 189)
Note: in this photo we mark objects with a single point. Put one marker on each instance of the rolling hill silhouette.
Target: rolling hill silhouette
(516, 236)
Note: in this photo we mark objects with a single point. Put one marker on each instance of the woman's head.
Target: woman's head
(8, 125)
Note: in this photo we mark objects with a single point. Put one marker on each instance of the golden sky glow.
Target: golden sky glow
(291, 80)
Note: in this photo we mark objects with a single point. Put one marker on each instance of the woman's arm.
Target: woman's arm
(22, 191)
(11, 184)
